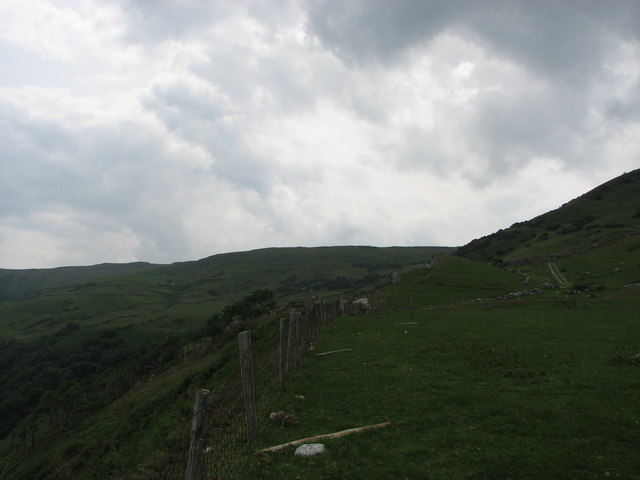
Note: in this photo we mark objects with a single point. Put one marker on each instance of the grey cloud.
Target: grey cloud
(177, 97)
(167, 19)
(116, 175)
(564, 41)
(510, 128)
(287, 82)
(368, 30)
(625, 108)
(215, 128)
(414, 93)
(567, 49)
(423, 149)
(555, 38)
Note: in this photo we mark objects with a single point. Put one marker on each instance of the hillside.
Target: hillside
(487, 366)
(517, 359)
(75, 340)
(532, 387)
(607, 217)
(16, 284)
(170, 299)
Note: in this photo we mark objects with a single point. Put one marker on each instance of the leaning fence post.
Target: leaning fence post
(283, 353)
(246, 372)
(194, 467)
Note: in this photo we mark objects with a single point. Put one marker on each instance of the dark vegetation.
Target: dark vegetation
(258, 303)
(486, 363)
(75, 341)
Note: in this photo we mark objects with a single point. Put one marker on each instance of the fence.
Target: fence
(229, 416)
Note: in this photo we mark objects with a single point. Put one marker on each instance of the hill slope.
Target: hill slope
(478, 383)
(607, 214)
(16, 284)
(540, 382)
(169, 299)
(84, 341)
(596, 238)
(535, 387)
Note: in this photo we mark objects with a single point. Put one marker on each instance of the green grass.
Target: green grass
(522, 389)
(179, 298)
(455, 279)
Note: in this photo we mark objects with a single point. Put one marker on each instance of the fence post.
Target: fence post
(246, 372)
(290, 339)
(308, 333)
(325, 317)
(194, 467)
(283, 353)
(298, 351)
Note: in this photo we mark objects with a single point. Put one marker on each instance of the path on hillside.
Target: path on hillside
(557, 276)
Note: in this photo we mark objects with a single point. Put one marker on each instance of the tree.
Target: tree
(259, 302)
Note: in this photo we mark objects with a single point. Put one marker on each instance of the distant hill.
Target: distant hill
(605, 219)
(182, 296)
(16, 284)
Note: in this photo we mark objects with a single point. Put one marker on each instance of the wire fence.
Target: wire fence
(221, 430)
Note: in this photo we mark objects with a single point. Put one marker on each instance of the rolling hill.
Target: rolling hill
(172, 299)
(607, 215)
(595, 237)
(518, 358)
(496, 362)
(93, 332)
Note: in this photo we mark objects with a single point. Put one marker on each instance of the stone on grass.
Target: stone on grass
(310, 449)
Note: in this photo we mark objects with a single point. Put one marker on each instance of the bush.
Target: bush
(259, 302)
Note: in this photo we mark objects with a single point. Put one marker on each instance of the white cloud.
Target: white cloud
(171, 131)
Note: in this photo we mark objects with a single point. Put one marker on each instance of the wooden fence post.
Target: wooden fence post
(411, 308)
(298, 351)
(290, 340)
(246, 372)
(283, 353)
(308, 332)
(194, 467)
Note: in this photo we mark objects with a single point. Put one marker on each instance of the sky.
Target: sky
(166, 131)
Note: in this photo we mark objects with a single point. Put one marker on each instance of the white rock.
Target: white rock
(310, 449)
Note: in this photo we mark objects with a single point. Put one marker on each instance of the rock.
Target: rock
(310, 449)
(283, 418)
(362, 304)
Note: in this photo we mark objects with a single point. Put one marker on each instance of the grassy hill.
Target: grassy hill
(517, 358)
(76, 341)
(16, 284)
(541, 386)
(486, 369)
(170, 299)
(594, 239)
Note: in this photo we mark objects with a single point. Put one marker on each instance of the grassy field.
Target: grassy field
(178, 298)
(542, 387)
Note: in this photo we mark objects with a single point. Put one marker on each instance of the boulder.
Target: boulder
(310, 449)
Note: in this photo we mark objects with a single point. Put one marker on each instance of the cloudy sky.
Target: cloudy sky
(172, 130)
